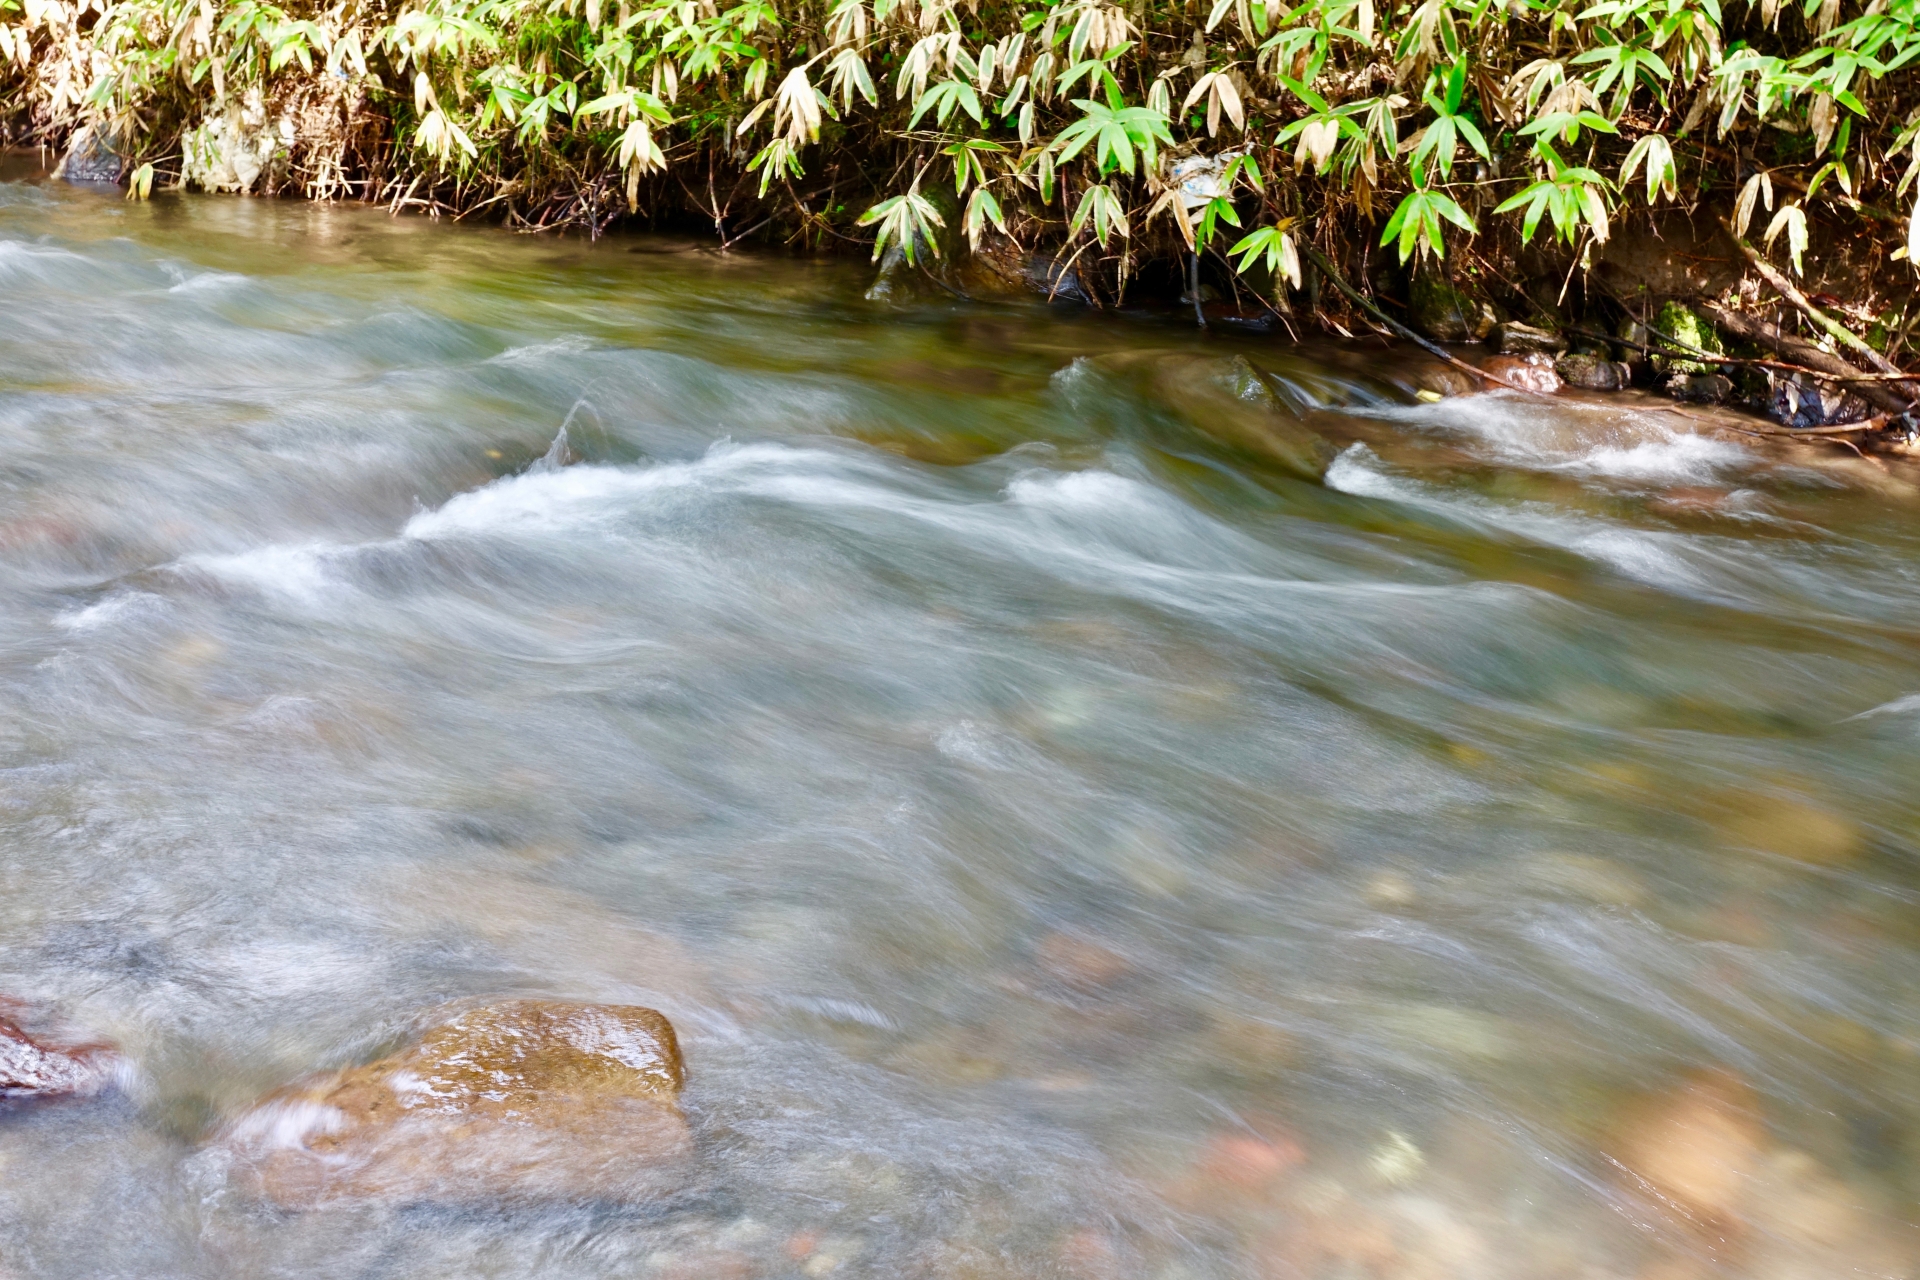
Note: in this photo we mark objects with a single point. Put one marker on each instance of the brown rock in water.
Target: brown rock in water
(1778, 822)
(1524, 373)
(1695, 1148)
(1443, 380)
(1249, 1160)
(521, 1100)
(1700, 388)
(1593, 373)
(31, 1068)
(1080, 962)
(1227, 399)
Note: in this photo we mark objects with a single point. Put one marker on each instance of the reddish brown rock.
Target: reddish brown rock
(1249, 1161)
(1089, 1254)
(1524, 373)
(1080, 962)
(1239, 1173)
(521, 1100)
(1695, 1148)
(32, 1068)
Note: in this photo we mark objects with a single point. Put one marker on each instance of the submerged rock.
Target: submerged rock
(521, 1100)
(1593, 373)
(1785, 825)
(1226, 398)
(1079, 962)
(1438, 381)
(998, 271)
(1694, 1148)
(33, 1068)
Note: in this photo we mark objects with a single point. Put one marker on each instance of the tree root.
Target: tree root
(1826, 323)
(1761, 333)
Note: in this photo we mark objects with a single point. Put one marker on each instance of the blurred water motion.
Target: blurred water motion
(1080, 828)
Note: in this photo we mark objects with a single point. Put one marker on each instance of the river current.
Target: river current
(1097, 800)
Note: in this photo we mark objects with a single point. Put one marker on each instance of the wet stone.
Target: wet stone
(1438, 381)
(1227, 399)
(1446, 313)
(32, 1068)
(1693, 1148)
(1516, 339)
(1593, 373)
(521, 1100)
(92, 156)
(1795, 402)
(1524, 373)
(1700, 388)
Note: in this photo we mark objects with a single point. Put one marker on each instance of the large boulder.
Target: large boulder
(93, 155)
(1525, 373)
(523, 1100)
(1445, 312)
(1516, 339)
(1691, 329)
(239, 149)
(1593, 372)
(32, 1067)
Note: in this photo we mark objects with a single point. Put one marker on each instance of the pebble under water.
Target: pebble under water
(1083, 823)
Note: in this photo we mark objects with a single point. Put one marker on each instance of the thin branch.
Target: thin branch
(1339, 282)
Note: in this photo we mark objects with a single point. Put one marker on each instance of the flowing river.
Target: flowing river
(1097, 800)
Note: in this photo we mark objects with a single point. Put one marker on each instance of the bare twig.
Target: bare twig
(1688, 351)
(1339, 282)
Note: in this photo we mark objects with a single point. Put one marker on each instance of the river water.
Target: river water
(1097, 800)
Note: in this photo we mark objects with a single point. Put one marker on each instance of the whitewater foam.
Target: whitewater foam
(105, 613)
(1681, 458)
(1516, 431)
(1645, 555)
(297, 573)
